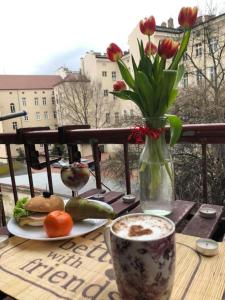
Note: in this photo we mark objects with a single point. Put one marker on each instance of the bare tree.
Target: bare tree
(205, 60)
(81, 101)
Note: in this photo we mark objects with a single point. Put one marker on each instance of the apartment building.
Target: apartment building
(99, 69)
(32, 93)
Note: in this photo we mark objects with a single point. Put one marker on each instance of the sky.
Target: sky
(39, 36)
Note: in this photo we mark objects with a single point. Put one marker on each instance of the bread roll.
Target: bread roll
(42, 204)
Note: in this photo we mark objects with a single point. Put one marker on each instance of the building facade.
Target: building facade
(100, 70)
(31, 93)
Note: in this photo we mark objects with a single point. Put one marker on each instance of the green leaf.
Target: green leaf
(135, 68)
(126, 74)
(172, 97)
(141, 48)
(126, 95)
(146, 91)
(129, 95)
(180, 73)
(166, 87)
(175, 128)
(181, 50)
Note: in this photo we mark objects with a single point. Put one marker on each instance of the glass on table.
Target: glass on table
(75, 176)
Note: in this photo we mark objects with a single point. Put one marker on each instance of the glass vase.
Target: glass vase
(156, 172)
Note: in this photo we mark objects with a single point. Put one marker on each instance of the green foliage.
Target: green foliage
(17, 166)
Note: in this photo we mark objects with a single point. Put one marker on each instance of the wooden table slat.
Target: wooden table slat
(92, 192)
(120, 207)
(203, 227)
(111, 197)
(180, 210)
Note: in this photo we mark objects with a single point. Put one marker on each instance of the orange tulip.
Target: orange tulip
(114, 52)
(119, 86)
(150, 49)
(167, 48)
(187, 17)
(147, 26)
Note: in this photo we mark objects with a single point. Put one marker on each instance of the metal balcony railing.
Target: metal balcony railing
(202, 134)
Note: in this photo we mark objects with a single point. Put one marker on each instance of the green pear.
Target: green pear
(80, 208)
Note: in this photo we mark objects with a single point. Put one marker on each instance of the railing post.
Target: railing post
(204, 172)
(48, 169)
(127, 171)
(11, 170)
(97, 165)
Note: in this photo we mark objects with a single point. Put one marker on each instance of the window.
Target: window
(44, 101)
(116, 117)
(107, 118)
(212, 73)
(113, 75)
(52, 92)
(12, 107)
(214, 44)
(41, 145)
(45, 115)
(198, 49)
(199, 77)
(55, 114)
(10, 93)
(53, 100)
(26, 118)
(22, 92)
(24, 101)
(38, 116)
(104, 73)
(43, 92)
(36, 101)
(14, 125)
(185, 80)
(105, 93)
(185, 56)
(35, 92)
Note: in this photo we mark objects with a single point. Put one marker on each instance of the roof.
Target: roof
(73, 77)
(28, 82)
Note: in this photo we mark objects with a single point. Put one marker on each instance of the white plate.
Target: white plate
(38, 233)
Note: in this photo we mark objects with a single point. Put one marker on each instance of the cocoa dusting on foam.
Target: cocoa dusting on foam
(138, 230)
(142, 227)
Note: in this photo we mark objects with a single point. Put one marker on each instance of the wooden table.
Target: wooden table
(182, 215)
(182, 210)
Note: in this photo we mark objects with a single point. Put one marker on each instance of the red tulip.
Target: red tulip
(167, 48)
(150, 49)
(187, 17)
(114, 52)
(147, 26)
(119, 86)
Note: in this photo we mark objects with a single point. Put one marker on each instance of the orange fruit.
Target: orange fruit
(58, 223)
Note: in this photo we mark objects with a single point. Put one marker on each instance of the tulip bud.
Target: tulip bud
(187, 17)
(150, 49)
(147, 26)
(119, 86)
(114, 52)
(167, 48)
